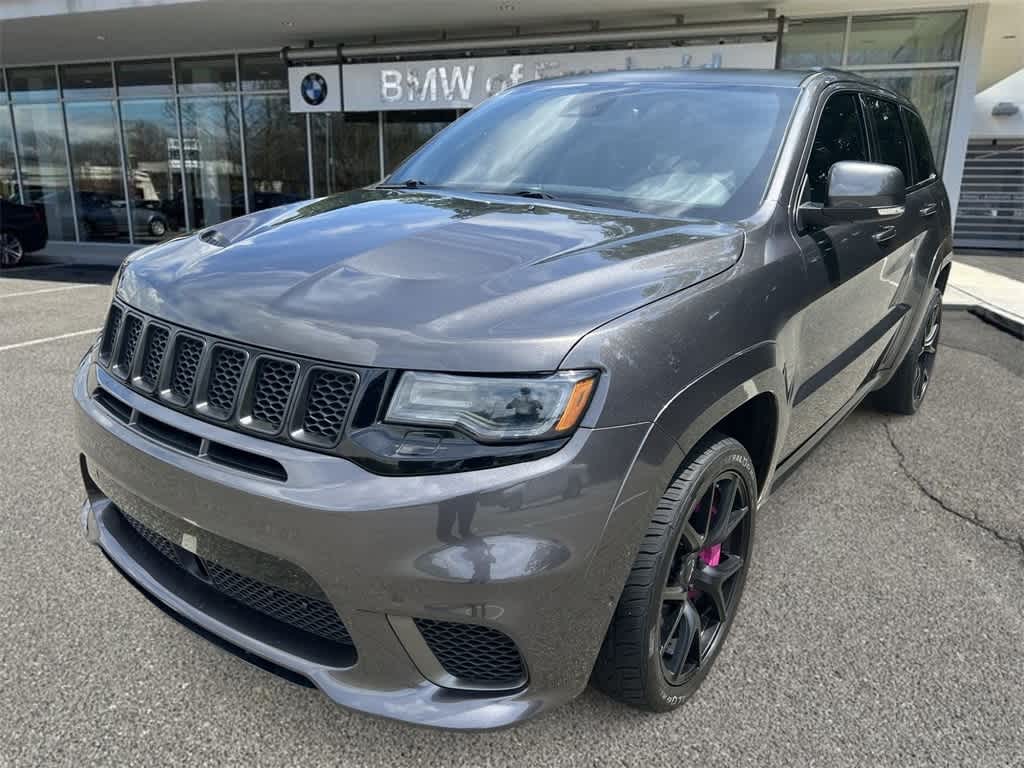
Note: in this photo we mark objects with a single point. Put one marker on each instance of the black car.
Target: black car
(454, 445)
(22, 231)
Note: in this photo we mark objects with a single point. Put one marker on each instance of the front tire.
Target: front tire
(684, 588)
(905, 391)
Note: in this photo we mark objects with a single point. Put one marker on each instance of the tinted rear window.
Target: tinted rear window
(892, 139)
(669, 149)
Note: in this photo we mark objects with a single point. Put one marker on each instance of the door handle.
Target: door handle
(884, 234)
(929, 209)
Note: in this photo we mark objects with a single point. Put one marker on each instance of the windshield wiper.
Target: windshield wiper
(407, 184)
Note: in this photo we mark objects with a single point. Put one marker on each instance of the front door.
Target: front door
(853, 271)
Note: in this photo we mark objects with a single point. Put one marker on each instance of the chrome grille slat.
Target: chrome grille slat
(274, 396)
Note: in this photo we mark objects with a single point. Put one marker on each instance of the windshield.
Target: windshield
(667, 149)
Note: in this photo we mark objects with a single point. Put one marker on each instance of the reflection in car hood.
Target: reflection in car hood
(419, 279)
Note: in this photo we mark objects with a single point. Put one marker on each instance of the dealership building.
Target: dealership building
(130, 121)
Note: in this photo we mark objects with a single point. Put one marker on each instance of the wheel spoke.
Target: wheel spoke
(728, 516)
(671, 633)
(687, 648)
(693, 539)
(700, 518)
(673, 594)
(712, 580)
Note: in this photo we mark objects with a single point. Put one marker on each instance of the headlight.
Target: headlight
(494, 409)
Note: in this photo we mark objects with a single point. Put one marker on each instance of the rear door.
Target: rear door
(853, 272)
(926, 198)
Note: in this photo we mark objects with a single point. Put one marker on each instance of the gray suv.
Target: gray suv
(450, 447)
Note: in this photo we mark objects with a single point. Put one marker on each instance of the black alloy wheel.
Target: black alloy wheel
(929, 348)
(682, 594)
(11, 250)
(700, 592)
(904, 392)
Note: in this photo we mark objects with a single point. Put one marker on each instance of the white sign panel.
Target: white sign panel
(467, 82)
(315, 89)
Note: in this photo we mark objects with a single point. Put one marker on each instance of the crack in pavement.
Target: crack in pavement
(973, 519)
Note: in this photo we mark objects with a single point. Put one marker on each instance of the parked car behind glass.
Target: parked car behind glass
(22, 231)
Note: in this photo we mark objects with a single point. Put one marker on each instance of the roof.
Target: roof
(778, 78)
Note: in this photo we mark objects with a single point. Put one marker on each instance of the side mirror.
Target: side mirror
(859, 192)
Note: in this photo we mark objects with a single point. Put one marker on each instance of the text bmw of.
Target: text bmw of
(451, 447)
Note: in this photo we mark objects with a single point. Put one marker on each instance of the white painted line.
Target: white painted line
(32, 343)
(53, 290)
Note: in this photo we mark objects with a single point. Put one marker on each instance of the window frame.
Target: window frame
(906, 110)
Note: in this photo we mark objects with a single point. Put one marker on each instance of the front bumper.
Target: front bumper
(537, 550)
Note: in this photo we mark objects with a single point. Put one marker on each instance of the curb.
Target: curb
(1011, 325)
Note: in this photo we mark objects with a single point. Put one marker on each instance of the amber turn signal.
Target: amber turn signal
(577, 404)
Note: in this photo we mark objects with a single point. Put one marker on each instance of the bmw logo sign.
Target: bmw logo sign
(313, 89)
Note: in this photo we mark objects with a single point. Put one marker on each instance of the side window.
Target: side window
(924, 164)
(840, 136)
(892, 139)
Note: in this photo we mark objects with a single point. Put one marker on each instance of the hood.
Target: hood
(413, 279)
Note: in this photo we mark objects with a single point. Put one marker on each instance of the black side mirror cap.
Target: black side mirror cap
(858, 191)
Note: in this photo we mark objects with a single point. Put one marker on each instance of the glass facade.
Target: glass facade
(916, 55)
(275, 150)
(346, 151)
(212, 155)
(137, 151)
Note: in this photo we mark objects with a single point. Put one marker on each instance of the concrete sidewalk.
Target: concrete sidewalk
(995, 297)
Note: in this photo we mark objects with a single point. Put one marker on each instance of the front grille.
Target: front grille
(274, 382)
(153, 355)
(474, 654)
(225, 375)
(330, 394)
(129, 344)
(309, 614)
(114, 318)
(187, 354)
(278, 397)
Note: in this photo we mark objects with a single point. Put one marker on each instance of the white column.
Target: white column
(963, 102)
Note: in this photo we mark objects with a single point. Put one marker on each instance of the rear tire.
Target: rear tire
(11, 250)
(684, 588)
(906, 390)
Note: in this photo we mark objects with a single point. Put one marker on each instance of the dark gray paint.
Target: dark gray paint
(685, 320)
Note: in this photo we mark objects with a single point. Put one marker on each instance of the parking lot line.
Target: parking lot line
(33, 342)
(53, 290)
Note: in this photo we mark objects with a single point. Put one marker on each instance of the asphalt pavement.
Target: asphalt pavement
(883, 622)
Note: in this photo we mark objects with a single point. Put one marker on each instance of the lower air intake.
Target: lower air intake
(474, 654)
(309, 614)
